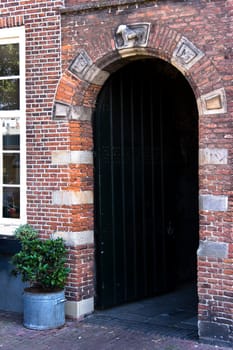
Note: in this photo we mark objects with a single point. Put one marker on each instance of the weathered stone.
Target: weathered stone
(78, 309)
(75, 239)
(72, 157)
(132, 52)
(80, 64)
(96, 76)
(212, 249)
(81, 157)
(213, 203)
(72, 197)
(60, 157)
(213, 156)
(186, 54)
(61, 110)
(80, 113)
(131, 35)
(213, 330)
(83, 67)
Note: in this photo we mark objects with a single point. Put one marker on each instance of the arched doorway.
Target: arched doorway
(146, 183)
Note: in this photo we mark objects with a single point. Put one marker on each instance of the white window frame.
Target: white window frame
(10, 36)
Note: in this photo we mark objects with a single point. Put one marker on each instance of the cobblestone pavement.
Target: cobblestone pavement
(94, 332)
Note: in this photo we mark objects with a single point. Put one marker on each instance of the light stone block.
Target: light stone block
(81, 157)
(72, 197)
(96, 76)
(60, 157)
(72, 157)
(132, 52)
(75, 239)
(61, 110)
(213, 203)
(212, 249)
(215, 156)
(80, 113)
(79, 309)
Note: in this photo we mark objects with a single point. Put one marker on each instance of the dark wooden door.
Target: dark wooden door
(135, 178)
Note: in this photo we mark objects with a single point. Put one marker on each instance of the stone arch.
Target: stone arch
(75, 100)
(82, 80)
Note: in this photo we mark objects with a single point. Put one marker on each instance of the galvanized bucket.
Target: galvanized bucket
(44, 310)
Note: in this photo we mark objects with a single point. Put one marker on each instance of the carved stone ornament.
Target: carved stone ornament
(81, 64)
(186, 54)
(131, 35)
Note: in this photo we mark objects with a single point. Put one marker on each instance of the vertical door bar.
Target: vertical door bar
(111, 131)
(134, 244)
(142, 150)
(123, 189)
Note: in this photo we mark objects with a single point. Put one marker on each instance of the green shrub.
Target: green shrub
(40, 262)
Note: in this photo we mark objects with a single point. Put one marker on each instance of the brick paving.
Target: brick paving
(94, 332)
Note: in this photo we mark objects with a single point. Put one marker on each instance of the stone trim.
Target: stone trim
(214, 156)
(212, 249)
(72, 197)
(100, 5)
(214, 102)
(213, 203)
(72, 157)
(76, 239)
(133, 51)
(79, 309)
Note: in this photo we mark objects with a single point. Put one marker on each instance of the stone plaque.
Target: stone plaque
(213, 103)
(61, 110)
(131, 35)
(81, 64)
(186, 54)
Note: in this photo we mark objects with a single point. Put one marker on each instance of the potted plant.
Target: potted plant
(41, 263)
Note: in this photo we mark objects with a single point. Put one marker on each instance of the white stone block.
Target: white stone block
(75, 239)
(215, 156)
(79, 309)
(72, 197)
(213, 203)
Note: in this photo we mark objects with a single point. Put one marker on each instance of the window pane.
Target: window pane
(11, 135)
(9, 94)
(11, 168)
(9, 63)
(11, 201)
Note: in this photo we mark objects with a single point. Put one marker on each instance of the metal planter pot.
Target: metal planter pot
(44, 310)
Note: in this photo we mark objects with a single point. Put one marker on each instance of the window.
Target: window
(12, 130)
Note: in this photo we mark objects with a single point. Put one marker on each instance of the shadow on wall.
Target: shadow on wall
(11, 287)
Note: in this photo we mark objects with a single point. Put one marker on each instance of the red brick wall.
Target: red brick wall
(42, 25)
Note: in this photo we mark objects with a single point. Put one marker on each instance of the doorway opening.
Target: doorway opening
(146, 183)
